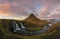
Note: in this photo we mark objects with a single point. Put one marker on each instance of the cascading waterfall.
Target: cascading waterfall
(17, 27)
(22, 26)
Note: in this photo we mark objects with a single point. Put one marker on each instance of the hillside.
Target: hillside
(53, 32)
(54, 27)
(6, 33)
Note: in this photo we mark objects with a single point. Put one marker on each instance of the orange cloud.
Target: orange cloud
(1, 5)
(4, 13)
(7, 6)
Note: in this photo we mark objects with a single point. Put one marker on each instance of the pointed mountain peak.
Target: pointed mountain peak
(32, 15)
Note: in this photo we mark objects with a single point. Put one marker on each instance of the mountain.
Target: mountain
(33, 19)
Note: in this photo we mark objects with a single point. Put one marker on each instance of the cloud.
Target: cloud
(51, 9)
(25, 7)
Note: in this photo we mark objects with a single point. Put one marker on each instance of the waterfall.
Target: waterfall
(15, 26)
(22, 25)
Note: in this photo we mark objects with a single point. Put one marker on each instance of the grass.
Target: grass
(6, 34)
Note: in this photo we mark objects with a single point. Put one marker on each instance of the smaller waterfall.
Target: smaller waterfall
(50, 24)
(22, 25)
(17, 27)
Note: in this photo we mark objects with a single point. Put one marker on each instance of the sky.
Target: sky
(21, 9)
